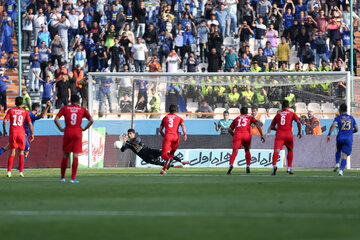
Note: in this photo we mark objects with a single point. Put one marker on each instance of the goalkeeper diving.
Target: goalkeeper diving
(149, 155)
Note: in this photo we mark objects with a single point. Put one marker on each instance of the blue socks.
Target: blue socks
(337, 157)
(343, 164)
(25, 158)
(2, 150)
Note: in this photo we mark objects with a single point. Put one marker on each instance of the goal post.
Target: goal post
(108, 101)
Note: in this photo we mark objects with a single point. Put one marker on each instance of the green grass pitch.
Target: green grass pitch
(185, 204)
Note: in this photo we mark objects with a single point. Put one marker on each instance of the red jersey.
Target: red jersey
(17, 117)
(283, 120)
(242, 124)
(171, 123)
(73, 115)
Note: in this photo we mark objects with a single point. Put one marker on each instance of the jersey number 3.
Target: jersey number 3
(171, 122)
(19, 121)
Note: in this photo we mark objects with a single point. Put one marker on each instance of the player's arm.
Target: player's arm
(57, 123)
(332, 129)
(356, 129)
(299, 128)
(161, 130)
(217, 127)
(90, 122)
(4, 126)
(258, 125)
(28, 119)
(48, 104)
(182, 124)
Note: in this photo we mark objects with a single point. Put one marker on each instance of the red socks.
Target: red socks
(63, 166)
(233, 156)
(248, 158)
(10, 162)
(290, 157)
(74, 168)
(275, 157)
(21, 163)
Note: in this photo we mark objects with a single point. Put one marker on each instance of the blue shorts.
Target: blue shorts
(344, 144)
(27, 145)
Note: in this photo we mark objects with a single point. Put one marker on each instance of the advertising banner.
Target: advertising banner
(260, 158)
(98, 149)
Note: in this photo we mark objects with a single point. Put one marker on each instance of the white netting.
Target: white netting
(115, 95)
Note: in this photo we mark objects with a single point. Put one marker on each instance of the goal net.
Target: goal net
(208, 95)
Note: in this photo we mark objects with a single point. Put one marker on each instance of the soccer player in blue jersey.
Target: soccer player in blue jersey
(344, 140)
(33, 116)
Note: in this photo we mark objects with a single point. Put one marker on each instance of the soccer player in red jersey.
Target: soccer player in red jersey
(72, 140)
(171, 137)
(282, 124)
(17, 138)
(240, 129)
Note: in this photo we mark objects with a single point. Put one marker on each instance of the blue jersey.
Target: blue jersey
(346, 124)
(33, 118)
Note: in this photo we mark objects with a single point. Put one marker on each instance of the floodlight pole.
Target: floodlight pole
(90, 108)
(132, 104)
(351, 50)
(19, 44)
(348, 103)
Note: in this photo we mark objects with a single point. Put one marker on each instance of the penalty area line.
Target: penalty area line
(181, 214)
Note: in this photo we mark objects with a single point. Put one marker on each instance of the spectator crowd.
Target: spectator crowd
(67, 39)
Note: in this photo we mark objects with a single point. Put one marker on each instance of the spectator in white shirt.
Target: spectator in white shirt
(74, 21)
(139, 55)
(62, 28)
(172, 62)
(39, 20)
(27, 29)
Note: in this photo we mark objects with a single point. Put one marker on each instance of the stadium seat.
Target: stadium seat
(327, 106)
(228, 41)
(272, 110)
(220, 111)
(301, 110)
(262, 110)
(192, 105)
(125, 116)
(140, 117)
(192, 109)
(315, 107)
(233, 112)
(301, 105)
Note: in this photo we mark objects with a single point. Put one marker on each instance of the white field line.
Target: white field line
(181, 214)
(224, 175)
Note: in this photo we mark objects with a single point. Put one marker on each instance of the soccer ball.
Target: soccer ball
(118, 144)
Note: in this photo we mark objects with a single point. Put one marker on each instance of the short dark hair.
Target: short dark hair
(285, 104)
(18, 101)
(343, 107)
(244, 110)
(254, 107)
(172, 108)
(75, 98)
(226, 112)
(131, 130)
(35, 106)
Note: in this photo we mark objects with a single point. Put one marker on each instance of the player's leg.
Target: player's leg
(27, 148)
(290, 155)
(247, 144)
(21, 162)
(278, 145)
(174, 146)
(4, 149)
(339, 144)
(345, 152)
(166, 147)
(64, 163)
(236, 147)
(10, 161)
(77, 148)
(74, 168)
